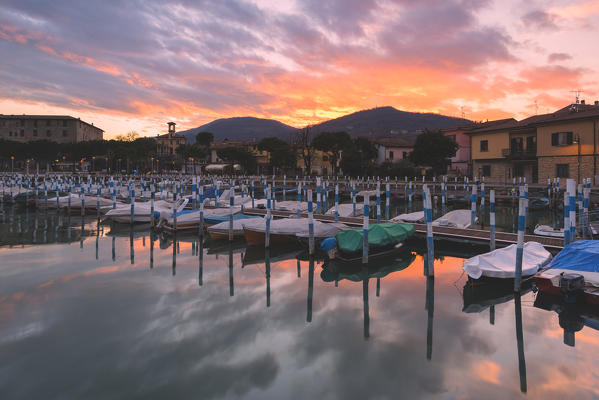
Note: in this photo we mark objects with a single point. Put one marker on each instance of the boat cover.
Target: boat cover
(379, 235)
(414, 217)
(347, 210)
(455, 219)
(501, 263)
(239, 220)
(582, 255)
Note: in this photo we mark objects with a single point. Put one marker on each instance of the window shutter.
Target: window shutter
(569, 138)
(554, 139)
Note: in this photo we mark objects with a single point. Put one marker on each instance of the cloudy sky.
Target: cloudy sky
(133, 65)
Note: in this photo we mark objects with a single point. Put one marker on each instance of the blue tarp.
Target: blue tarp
(582, 255)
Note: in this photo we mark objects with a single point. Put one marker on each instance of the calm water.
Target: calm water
(117, 314)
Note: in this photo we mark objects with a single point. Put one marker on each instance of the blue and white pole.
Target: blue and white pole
(299, 201)
(253, 193)
(378, 202)
(387, 200)
(492, 219)
(571, 189)
(520, 243)
(201, 229)
(410, 194)
(318, 194)
(443, 195)
(243, 188)
(310, 223)
(217, 195)
(132, 204)
(482, 194)
(231, 206)
(353, 198)
(268, 217)
(566, 218)
(365, 230)
(336, 202)
(473, 207)
(152, 198)
(82, 200)
(430, 244)
(585, 211)
(284, 187)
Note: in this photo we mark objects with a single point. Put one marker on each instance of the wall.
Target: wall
(497, 142)
(582, 128)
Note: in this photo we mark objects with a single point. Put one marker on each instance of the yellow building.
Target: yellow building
(559, 144)
(167, 144)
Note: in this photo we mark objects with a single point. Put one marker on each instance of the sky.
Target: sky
(135, 65)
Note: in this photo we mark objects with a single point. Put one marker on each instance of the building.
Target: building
(57, 128)
(559, 144)
(167, 144)
(260, 156)
(392, 149)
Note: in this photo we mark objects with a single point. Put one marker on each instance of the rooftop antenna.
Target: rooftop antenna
(462, 113)
(536, 108)
(577, 92)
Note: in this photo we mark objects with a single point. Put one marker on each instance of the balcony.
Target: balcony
(520, 154)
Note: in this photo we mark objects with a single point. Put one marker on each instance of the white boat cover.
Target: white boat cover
(194, 216)
(410, 218)
(238, 225)
(347, 210)
(501, 263)
(546, 230)
(295, 226)
(454, 219)
(363, 193)
(289, 205)
(141, 211)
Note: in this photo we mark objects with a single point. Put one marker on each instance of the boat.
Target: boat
(539, 204)
(142, 212)
(410, 218)
(347, 210)
(455, 219)
(288, 230)
(220, 231)
(573, 273)
(501, 263)
(546, 230)
(190, 219)
(384, 240)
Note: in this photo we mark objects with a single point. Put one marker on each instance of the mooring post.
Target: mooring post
(231, 205)
(430, 244)
(267, 220)
(299, 200)
(310, 223)
(365, 230)
(520, 243)
(378, 202)
(566, 218)
(387, 199)
(336, 202)
(571, 188)
(492, 219)
(473, 207)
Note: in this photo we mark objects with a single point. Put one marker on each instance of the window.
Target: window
(518, 170)
(484, 145)
(22, 122)
(517, 145)
(486, 170)
(64, 133)
(404, 155)
(10, 133)
(35, 123)
(48, 133)
(561, 138)
(531, 144)
(35, 132)
(390, 155)
(47, 122)
(22, 133)
(563, 170)
(64, 122)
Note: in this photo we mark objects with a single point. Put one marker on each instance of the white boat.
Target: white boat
(455, 219)
(347, 210)
(546, 230)
(410, 218)
(501, 263)
(142, 211)
(221, 230)
(288, 230)
(190, 219)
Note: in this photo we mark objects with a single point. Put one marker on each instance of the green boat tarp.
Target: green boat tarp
(379, 235)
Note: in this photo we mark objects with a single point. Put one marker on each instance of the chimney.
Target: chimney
(596, 103)
(582, 102)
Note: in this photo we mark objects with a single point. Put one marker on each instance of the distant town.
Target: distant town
(560, 144)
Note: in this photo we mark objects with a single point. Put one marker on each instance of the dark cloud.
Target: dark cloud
(540, 19)
(555, 57)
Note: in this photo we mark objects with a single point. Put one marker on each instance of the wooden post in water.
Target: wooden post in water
(520, 243)
(336, 202)
(310, 223)
(566, 218)
(231, 205)
(571, 188)
(387, 199)
(268, 216)
(473, 207)
(299, 200)
(430, 243)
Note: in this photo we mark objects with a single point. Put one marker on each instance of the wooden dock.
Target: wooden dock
(462, 235)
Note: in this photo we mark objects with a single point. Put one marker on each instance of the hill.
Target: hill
(241, 128)
(388, 121)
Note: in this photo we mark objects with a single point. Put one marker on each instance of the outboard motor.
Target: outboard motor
(571, 286)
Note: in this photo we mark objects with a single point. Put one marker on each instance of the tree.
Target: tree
(302, 141)
(204, 139)
(240, 156)
(360, 158)
(280, 153)
(128, 137)
(333, 143)
(433, 149)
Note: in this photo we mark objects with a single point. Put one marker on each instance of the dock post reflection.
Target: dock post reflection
(310, 289)
(231, 283)
(430, 308)
(492, 315)
(299, 269)
(365, 301)
(131, 249)
(82, 233)
(267, 273)
(378, 287)
(97, 236)
(520, 340)
(174, 253)
(151, 250)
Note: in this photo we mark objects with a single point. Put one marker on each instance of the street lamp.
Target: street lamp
(577, 141)
(93, 159)
(12, 164)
